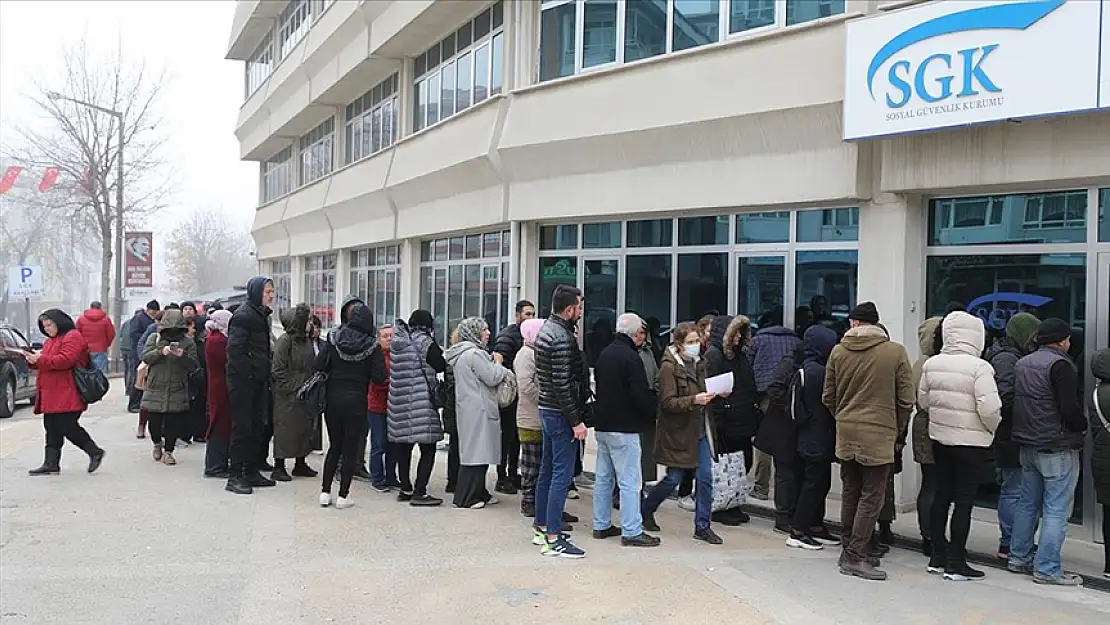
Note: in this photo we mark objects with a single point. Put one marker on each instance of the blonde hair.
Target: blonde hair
(455, 336)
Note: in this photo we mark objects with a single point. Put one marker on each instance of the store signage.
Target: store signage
(963, 62)
(995, 309)
(562, 268)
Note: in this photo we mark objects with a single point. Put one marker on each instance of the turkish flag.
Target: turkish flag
(48, 179)
(8, 181)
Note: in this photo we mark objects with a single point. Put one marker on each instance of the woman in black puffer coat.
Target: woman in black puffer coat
(1100, 434)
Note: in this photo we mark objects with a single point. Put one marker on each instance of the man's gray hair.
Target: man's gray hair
(629, 324)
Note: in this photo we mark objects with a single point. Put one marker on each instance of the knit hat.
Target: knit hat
(1020, 329)
(153, 305)
(865, 312)
(1052, 330)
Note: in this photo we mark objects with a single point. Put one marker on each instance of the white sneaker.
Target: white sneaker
(344, 502)
(493, 501)
(477, 505)
(687, 503)
(325, 499)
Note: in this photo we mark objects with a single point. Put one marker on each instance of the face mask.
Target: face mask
(693, 351)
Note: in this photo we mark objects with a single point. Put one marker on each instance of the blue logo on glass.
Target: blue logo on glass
(907, 80)
(994, 316)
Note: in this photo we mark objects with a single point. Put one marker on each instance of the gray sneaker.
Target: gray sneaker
(1065, 579)
(1020, 569)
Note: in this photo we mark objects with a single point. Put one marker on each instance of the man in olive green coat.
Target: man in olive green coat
(171, 359)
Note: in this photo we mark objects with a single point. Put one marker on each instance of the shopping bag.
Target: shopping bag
(730, 482)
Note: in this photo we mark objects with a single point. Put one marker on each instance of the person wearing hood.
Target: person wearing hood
(218, 433)
(816, 442)
(99, 333)
(1099, 414)
(509, 343)
(294, 364)
(198, 399)
(529, 430)
(477, 375)
(771, 344)
(869, 390)
(249, 352)
(136, 328)
(1004, 355)
(361, 472)
(57, 399)
(736, 417)
(413, 417)
(171, 359)
(928, 346)
(352, 363)
(965, 410)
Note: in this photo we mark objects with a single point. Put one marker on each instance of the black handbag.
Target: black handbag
(313, 394)
(91, 383)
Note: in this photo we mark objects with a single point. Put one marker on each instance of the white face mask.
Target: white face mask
(693, 351)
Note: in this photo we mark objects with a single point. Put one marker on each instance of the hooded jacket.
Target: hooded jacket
(97, 329)
(412, 414)
(294, 363)
(817, 431)
(136, 329)
(1004, 356)
(958, 386)
(167, 382)
(57, 392)
(350, 362)
(869, 389)
(737, 416)
(528, 394)
(215, 356)
(922, 444)
(1100, 432)
(769, 347)
(680, 423)
(477, 415)
(249, 350)
(347, 301)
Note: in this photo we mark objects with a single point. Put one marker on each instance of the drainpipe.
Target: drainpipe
(514, 263)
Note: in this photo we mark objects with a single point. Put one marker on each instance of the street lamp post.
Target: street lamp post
(117, 316)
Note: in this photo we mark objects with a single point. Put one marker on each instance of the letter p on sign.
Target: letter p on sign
(25, 282)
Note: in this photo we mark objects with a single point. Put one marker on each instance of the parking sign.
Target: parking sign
(25, 282)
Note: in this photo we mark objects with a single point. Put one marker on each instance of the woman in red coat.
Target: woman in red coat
(219, 405)
(57, 400)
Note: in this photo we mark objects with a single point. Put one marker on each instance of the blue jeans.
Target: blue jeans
(556, 469)
(1008, 496)
(379, 467)
(1048, 491)
(618, 458)
(100, 361)
(703, 493)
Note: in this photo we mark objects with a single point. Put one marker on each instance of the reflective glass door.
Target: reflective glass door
(761, 288)
(600, 288)
(1102, 340)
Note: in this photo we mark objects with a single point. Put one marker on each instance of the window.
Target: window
(559, 237)
(1104, 215)
(830, 224)
(295, 21)
(371, 125)
(281, 272)
(826, 281)
(466, 276)
(376, 278)
(750, 14)
(461, 70)
(760, 289)
(603, 235)
(648, 288)
(703, 230)
(319, 287)
(277, 175)
(763, 227)
(696, 23)
(599, 33)
(651, 233)
(316, 152)
(1054, 217)
(557, 41)
(645, 29)
(702, 285)
(260, 64)
(800, 11)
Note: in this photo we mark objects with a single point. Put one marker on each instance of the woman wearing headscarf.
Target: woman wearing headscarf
(528, 425)
(219, 404)
(928, 346)
(477, 374)
(294, 363)
(171, 359)
(57, 399)
(349, 361)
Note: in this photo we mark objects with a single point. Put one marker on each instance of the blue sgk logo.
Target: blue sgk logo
(986, 307)
(906, 80)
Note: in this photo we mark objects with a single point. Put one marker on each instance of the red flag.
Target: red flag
(48, 179)
(8, 181)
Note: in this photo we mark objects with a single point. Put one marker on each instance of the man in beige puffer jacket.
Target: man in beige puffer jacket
(958, 388)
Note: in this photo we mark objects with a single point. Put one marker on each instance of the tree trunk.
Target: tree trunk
(105, 265)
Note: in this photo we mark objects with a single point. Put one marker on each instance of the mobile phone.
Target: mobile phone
(174, 345)
(27, 348)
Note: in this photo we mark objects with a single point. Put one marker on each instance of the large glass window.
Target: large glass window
(281, 272)
(648, 288)
(294, 22)
(645, 29)
(599, 33)
(562, 237)
(555, 270)
(260, 64)
(696, 23)
(317, 152)
(702, 285)
(370, 123)
(800, 11)
(827, 281)
(376, 278)
(1054, 217)
(461, 70)
(750, 14)
(761, 288)
(703, 230)
(557, 41)
(1104, 215)
(651, 233)
(277, 175)
(465, 276)
(763, 227)
(601, 302)
(830, 224)
(319, 287)
(602, 235)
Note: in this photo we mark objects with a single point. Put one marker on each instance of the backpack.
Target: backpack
(795, 392)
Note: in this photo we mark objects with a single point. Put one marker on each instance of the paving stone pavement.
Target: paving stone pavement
(139, 542)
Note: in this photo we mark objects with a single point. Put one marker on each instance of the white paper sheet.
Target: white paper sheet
(719, 383)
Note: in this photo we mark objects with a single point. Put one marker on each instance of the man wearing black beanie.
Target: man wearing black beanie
(1050, 427)
(870, 391)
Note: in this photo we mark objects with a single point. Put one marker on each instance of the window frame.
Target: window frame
(316, 153)
(289, 36)
(431, 264)
(384, 262)
(359, 113)
(273, 172)
(323, 266)
(263, 54)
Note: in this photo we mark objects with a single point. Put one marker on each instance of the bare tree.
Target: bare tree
(83, 142)
(207, 252)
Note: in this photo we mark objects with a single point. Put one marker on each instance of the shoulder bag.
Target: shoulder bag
(91, 383)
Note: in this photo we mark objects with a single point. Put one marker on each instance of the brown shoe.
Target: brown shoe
(862, 570)
(157, 452)
(168, 459)
(140, 432)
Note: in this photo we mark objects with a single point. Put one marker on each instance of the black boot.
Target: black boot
(238, 483)
(256, 479)
(279, 474)
(96, 456)
(301, 469)
(51, 463)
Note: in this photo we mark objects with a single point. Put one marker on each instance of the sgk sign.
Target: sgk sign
(960, 62)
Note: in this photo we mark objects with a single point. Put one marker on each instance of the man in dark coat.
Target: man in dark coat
(249, 354)
(136, 328)
(509, 342)
(772, 344)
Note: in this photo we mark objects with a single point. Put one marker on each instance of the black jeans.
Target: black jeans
(134, 398)
(789, 476)
(403, 453)
(809, 511)
(63, 425)
(452, 461)
(249, 404)
(344, 431)
(165, 427)
(957, 473)
(510, 446)
(925, 498)
(215, 453)
(1106, 537)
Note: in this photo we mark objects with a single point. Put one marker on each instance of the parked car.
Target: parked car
(17, 378)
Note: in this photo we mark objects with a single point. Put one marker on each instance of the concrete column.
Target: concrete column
(405, 97)
(529, 261)
(522, 27)
(342, 278)
(409, 282)
(296, 280)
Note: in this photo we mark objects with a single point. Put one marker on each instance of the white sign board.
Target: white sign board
(25, 282)
(963, 62)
